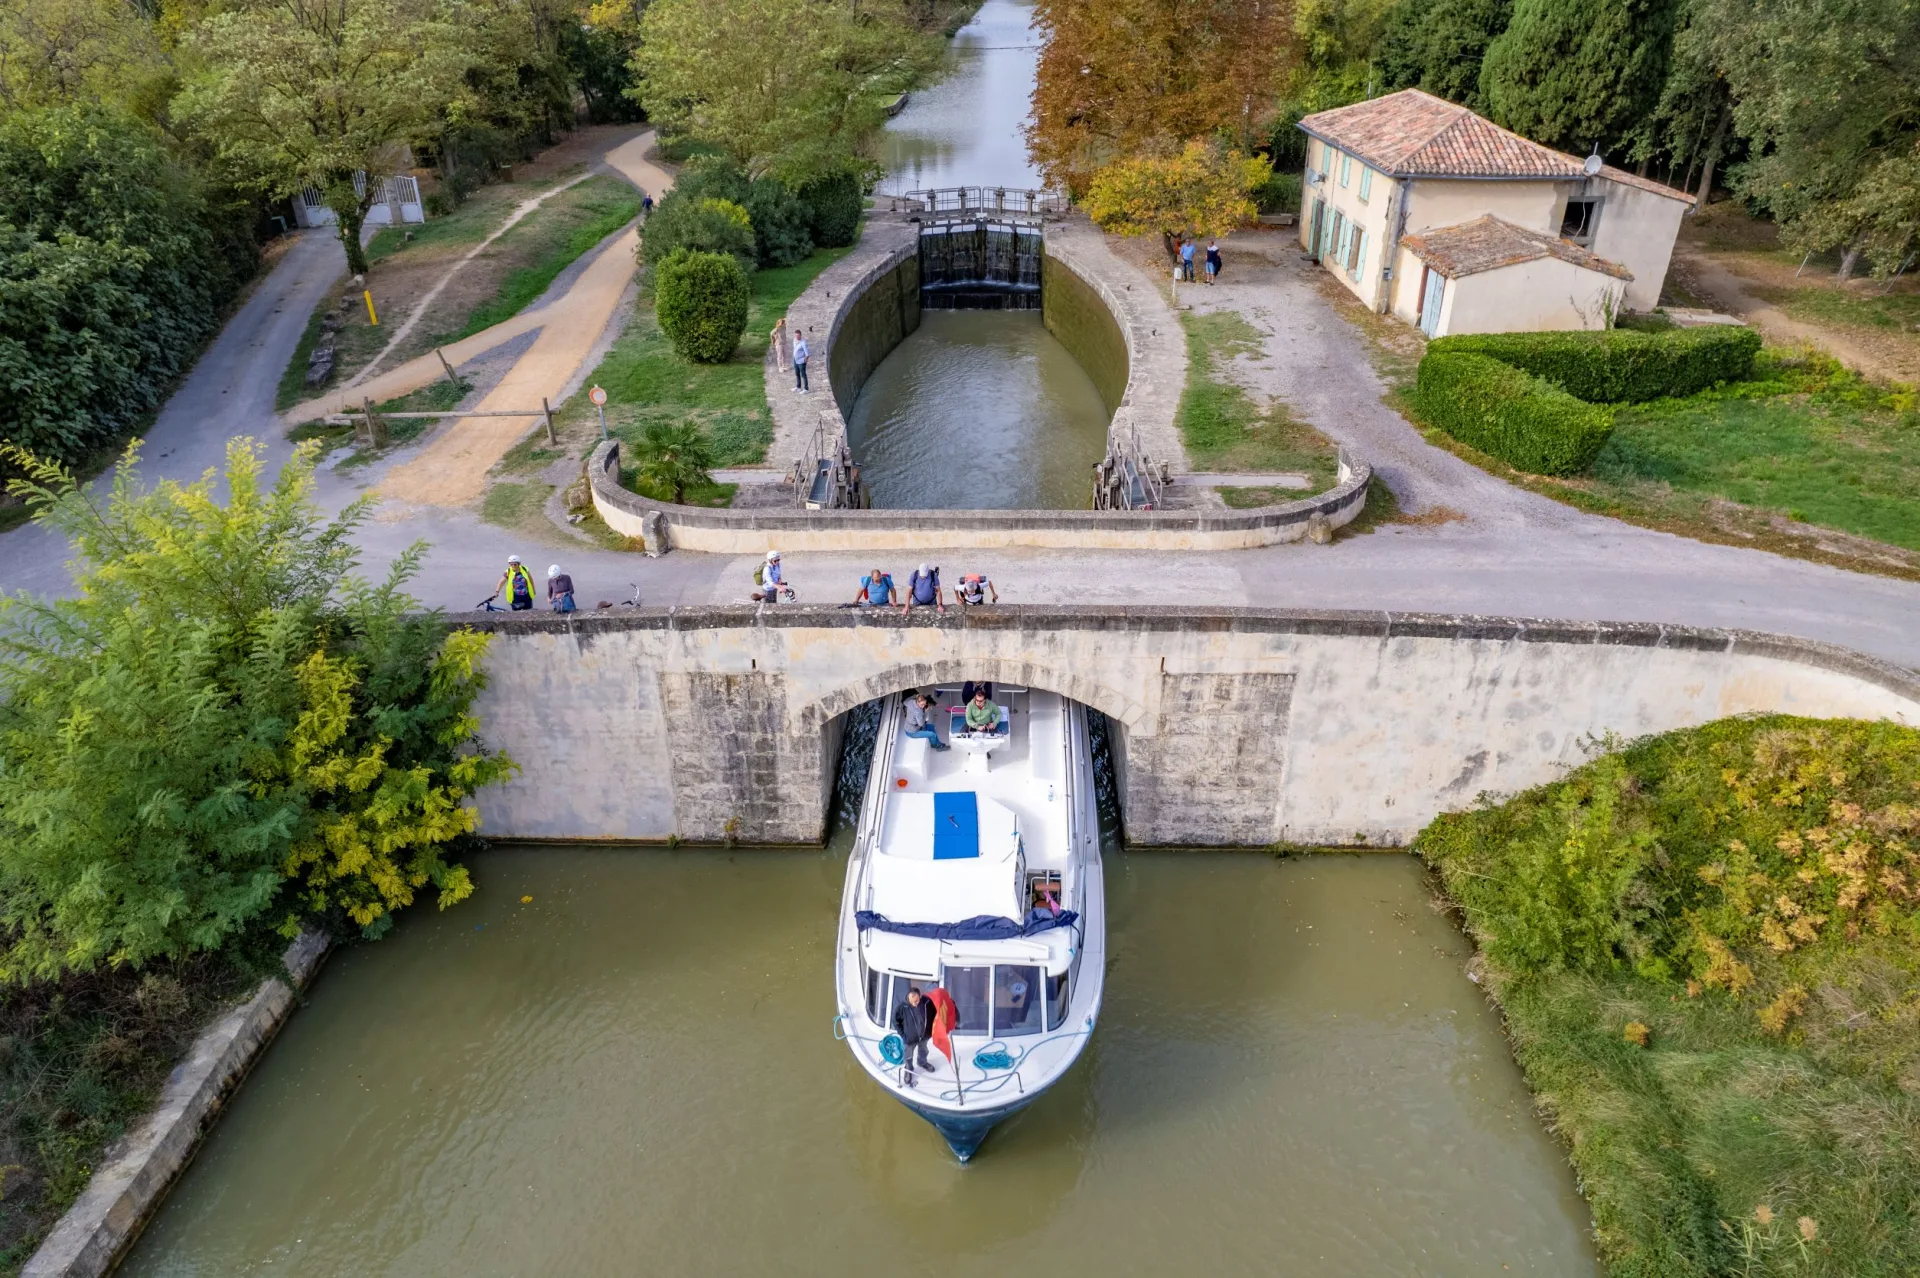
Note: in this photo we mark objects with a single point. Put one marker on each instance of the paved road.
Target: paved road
(1515, 554)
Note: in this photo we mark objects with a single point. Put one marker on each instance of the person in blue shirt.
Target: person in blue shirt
(1186, 260)
(923, 591)
(876, 590)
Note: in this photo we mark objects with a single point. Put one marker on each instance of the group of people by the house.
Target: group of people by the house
(1184, 253)
(982, 715)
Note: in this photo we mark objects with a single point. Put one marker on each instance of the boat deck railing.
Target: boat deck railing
(1003, 1065)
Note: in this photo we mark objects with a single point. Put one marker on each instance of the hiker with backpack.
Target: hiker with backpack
(923, 590)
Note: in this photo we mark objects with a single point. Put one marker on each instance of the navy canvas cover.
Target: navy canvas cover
(981, 927)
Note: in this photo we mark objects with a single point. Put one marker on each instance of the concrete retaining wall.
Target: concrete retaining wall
(137, 1172)
(663, 526)
(873, 322)
(1081, 322)
(1236, 726)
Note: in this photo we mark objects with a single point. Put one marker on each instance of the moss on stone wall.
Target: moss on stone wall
(878, 321)
(1076, 316)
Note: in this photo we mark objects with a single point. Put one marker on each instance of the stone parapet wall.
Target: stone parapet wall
(1234, 726)
(663, 526)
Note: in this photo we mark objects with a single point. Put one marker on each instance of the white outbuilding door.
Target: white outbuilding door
(1433, 288)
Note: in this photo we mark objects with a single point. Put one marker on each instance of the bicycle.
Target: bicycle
(631, 601)
(487, 604)
(783, 590)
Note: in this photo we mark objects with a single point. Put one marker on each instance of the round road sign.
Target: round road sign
(598, 396)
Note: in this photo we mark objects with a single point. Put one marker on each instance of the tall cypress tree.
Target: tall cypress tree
(1437, 45)
(1576, 73)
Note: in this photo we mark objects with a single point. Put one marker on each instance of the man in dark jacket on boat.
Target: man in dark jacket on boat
(914, 1020)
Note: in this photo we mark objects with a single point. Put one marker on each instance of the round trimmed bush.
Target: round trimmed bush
(834, 205)
(698, 224)
(700, 300)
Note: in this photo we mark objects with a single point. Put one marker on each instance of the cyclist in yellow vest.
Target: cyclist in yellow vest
(517, 582)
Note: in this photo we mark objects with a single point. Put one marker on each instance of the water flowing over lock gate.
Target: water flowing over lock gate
(980, 265)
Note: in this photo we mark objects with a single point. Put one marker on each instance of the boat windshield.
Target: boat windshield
(1002, 1000)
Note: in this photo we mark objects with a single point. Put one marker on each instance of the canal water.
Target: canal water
(965, 130)
(979, 410)
(633, 1072)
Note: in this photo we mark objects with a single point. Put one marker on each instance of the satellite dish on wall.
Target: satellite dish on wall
(1593, 165)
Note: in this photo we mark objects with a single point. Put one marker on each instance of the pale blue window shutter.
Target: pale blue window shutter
(1346, 169)
(1366, 182)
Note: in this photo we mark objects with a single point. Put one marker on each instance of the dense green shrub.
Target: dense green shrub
(1525, 421)
(782, 230)
(223, 724)
(1619, 366)
(698, 224)
(834, 208)
(1278, 194)
(700, 300)
(115, 262)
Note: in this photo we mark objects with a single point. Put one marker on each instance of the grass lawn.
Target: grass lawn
(1225, 430)
(1868, 308)
(1807, 459)
(1722, 1024)
(646, 380)
(548, 245)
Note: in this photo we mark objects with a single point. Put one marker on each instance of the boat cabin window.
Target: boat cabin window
(1056, 1000)
(887, 991)
(1016, 1000)
(968, 986)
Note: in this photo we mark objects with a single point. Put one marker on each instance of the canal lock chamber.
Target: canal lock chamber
(979, 373)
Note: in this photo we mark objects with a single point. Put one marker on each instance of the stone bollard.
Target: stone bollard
(1319, 531)
(653, 534)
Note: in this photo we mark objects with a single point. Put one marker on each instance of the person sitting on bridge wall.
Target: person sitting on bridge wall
(974, 589)
(876, 590)
(923, 590)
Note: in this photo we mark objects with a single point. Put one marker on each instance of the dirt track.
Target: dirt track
(452, 469)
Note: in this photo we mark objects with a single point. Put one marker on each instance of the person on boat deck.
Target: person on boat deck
(920, 721)
(967, 690)
(982, 714)
(876, 590)
(914, 1021)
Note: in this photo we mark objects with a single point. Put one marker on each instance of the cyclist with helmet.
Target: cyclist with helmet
(517, 582)
(769, 579)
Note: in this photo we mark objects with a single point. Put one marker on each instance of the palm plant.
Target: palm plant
(674, 456)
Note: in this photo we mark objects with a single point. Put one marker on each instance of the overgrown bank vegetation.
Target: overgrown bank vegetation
(1707, 946)
(225, 735)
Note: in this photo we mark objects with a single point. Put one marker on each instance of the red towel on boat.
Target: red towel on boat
(945, 1014)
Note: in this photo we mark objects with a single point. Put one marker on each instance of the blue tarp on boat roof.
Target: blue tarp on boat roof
(956, 825)
(981, 927)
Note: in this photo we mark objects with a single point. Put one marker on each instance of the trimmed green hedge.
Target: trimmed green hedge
(1620, 366)
(1525, 421)
(700, 300)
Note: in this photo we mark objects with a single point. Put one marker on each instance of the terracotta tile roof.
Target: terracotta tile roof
(1415, 134)
(1489, 243)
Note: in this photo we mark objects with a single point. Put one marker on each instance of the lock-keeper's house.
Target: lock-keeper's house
(1452, 223)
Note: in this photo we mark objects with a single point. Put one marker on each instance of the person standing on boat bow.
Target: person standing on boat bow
(914, 1021)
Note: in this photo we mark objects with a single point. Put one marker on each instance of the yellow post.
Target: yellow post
(371, 317)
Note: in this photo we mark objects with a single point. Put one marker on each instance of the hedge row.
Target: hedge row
(115, 261)
(1525, 421)
(1619, 366)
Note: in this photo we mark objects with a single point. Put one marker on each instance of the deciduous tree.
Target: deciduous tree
(1575, 74)
(1204, 189)
(223, 724)
(309, 93)
(1117, 77)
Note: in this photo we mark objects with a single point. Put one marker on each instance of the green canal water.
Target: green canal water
(633, 1073)
(979, 410)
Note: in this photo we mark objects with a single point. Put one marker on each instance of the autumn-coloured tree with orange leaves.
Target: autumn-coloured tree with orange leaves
(1200, 190)
(1120, 77)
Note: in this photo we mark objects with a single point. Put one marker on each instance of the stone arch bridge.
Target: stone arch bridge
(1234, 726)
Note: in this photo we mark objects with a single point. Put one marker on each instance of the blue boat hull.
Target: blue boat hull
(964, 1132)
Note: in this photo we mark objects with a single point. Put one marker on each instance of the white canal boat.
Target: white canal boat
(976, 870)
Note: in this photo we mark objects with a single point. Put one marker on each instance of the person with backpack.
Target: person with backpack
(876, 591)
(559, 590)
(973, 590)
(517, 582)
(769, 579)
(923, 591)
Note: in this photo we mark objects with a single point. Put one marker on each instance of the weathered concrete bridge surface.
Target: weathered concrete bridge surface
(1235, 726)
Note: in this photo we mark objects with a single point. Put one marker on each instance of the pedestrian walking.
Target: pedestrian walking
(646, 207)
(782, 353)
(1213, 260)
(559, 590)
(801, 353)
(1186, 260)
